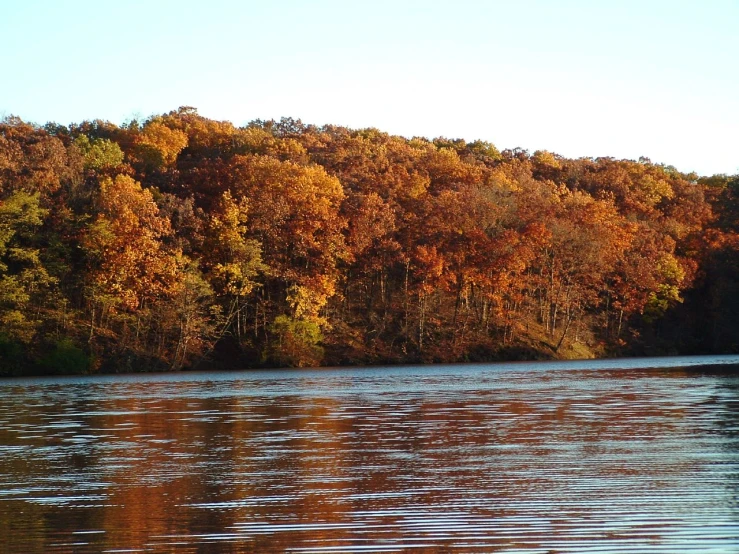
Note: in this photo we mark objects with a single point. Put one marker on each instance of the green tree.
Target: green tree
(23, 277)
(99, 154)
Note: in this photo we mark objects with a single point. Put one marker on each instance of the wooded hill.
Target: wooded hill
(182, 242)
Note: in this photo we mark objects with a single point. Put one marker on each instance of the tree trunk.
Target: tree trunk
(564, 333)
(92, 322)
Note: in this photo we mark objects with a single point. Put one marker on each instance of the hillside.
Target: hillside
(183, 242)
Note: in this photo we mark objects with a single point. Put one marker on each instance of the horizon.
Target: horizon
(575, 79)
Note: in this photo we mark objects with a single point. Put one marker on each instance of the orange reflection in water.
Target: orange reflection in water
(549, 461)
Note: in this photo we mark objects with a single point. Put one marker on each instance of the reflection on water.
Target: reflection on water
(579, 457)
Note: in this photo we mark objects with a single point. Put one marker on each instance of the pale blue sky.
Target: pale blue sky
(580, 78)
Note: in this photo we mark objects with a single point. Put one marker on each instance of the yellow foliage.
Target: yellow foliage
(544, 157)
(655, 189)
(166, 142)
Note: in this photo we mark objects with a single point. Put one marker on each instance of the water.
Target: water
(579, 457)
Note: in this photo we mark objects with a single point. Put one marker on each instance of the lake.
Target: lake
(638, 455)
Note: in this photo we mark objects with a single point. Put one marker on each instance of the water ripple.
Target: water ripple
(566, 457)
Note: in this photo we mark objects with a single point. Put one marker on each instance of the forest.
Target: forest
(181, 242)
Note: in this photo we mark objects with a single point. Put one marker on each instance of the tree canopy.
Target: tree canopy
(183, 242)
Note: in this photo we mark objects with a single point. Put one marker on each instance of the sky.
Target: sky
(591, 78)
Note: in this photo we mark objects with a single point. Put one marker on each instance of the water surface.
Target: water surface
(607, 456)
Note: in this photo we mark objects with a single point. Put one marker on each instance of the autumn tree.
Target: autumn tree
(180, 240)
(233, 261)
(294, 215)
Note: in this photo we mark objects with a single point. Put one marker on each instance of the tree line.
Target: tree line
(182, 242)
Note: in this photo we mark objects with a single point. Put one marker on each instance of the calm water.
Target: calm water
(574, 457)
